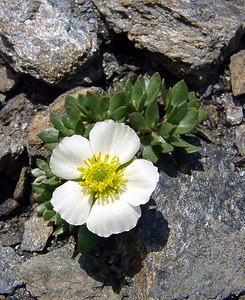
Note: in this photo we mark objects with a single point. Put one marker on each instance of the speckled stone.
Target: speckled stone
(36, 234)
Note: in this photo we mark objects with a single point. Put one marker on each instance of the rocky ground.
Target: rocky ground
(189, 242)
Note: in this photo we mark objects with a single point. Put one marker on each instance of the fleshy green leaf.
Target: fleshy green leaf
(72, 110)
(56, 120)
(138, 90)
(60, 229)
(37, 172)
(180, 143)
(165, 129)
(118, 100)
(150, 153)
(138, 122)
(177, 113)
(79, 128)
(50, 146)
(187, 123)
(48, 215)
(193, 102)
(119, 114)
(86, 240)
(201, 116)
(103, 108)
(152, 113)
(42, 165)
(41, 208)
(153, 87)
(49, 135)
(179, 93)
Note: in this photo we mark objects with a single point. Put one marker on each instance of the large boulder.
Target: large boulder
(189, 38)
(50, 40)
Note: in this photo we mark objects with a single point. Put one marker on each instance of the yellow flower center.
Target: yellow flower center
(102, 177)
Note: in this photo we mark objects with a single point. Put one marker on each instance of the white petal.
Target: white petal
(69, 155)
(109, 137)
(71, 203)
(141, 179)
(112, 216)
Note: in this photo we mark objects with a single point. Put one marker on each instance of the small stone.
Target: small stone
(240, 139)
(234, 113)
(36, 234)
(237, 69)
(7, 79)
(21, 185)
(8, 263)
(8, 206)
(62, 276)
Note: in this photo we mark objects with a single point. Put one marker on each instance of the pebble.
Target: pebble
(237, 69)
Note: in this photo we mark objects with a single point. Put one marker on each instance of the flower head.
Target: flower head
(106, 185)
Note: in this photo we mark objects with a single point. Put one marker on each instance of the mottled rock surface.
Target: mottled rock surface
(7, 79)
(49, 40)
(237, 68)
(57, 276)
(240, 139)
(190, 37)
(8, 263)
(36, 234)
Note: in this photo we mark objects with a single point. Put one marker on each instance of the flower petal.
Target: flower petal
(141, 179)
(109, 137)
(71, 203)
(69, 155)
(109, 216)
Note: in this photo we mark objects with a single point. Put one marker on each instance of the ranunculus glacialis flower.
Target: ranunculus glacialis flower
(105, 183)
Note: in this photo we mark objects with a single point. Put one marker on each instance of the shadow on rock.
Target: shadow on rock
(118, 258)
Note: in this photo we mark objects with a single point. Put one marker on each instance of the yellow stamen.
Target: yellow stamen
(101, 177)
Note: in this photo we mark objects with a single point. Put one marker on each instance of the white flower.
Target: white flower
(105, 186)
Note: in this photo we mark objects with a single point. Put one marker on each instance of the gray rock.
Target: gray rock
(203, 257)
(237, 69)
(7, 79)
(240, 139)
(36, 234)
(234, 113)
(8, 206)
(49, 40)
(21, 186)
(14, 119)
(57, 276)
(8, 263)
(190, 38)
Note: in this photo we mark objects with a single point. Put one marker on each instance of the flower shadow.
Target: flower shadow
(118, 258)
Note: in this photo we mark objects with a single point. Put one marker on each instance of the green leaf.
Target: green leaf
(177, 113)
(41, 208)
(56, 120)
(119, 114)
(42, 165)
(49, 135)
(79, 128)
(48, 215)
(38, 188)
(103, 108)
(138, 90)
(60, 229)
(37, 172)
(164, 92)
(187, 123)
(86, 240)
(72, 110)
(58, 220)
(165, 129)
(67, 122)
(153, 87)
(180, 143)
(201, 116)
(150, 153)
(50, 146)
(118, 100)
(138, 122)
(166, 147)
(179, 93)
(193, 102)
(92, 101)
(146, 140)
(152, 113)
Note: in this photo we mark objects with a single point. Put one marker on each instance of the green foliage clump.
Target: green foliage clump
(162, 117)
